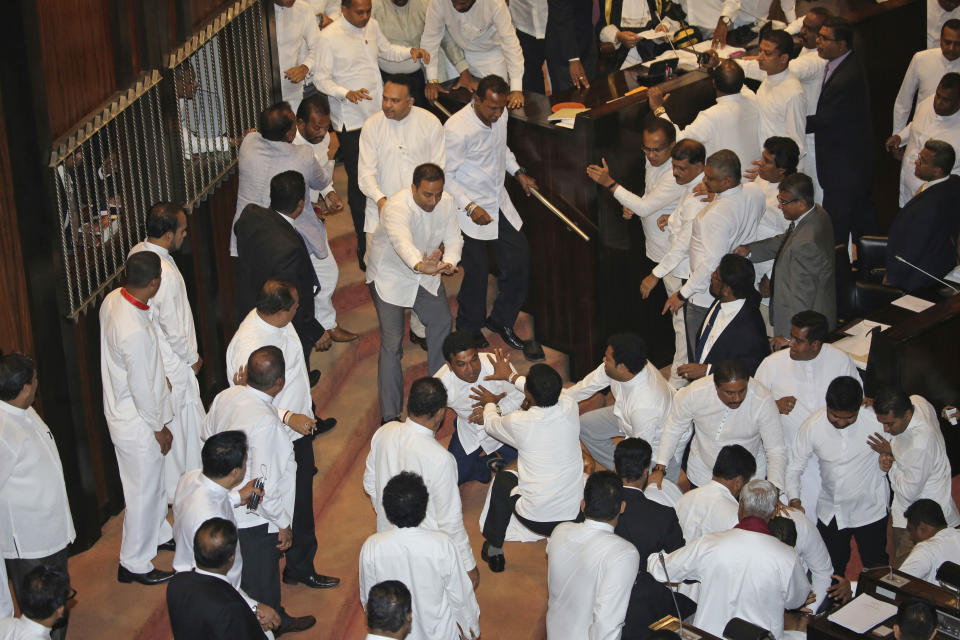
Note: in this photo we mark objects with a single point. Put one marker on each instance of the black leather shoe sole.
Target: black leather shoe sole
(169, 545)
(156, 576)
(316, 581)
(417, 340)
(506, 333)
(324, 425)
(314, 377)
(496, 563)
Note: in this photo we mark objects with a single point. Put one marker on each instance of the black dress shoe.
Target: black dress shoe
(479, 340)
(295, 624)
(506, 333)
(533, 352)
(157, 576)
(324, 425)
(314, 377)
(316, 581)
(495, 463)
(497, 563)
(417, 340)
(169, 545)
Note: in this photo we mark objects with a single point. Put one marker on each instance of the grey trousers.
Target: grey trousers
(693, 319)
(597, 427)
(434, 312)
(17, 569)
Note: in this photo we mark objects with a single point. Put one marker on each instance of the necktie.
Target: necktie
(702, 340)
(826, 74)
(773, 271)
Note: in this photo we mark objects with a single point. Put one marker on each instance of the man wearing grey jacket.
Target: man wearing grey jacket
(803, 274)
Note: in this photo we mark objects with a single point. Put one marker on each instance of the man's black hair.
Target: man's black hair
(427, 396)
(142, 268)
(388, 606)
(45, 589)
(631, 458)
(844, 394)
(163, 218)
(734, 461)
(223, 452)
(544, 384)
(457, 342)
(405, 500)
(264, 367)
(630, 350)
(275, 296)
(287, 189)
(16, 372)
(814, 322)
(602, 496)
(214, 542)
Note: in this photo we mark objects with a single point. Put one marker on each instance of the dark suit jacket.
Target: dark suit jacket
(207, 608)
(925, 233)
(744, 339)
(569, 34)
(804, 275)
(650, 527)
(269, 247)
(647, 48)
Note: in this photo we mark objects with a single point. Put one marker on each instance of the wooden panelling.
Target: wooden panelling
(203, 10)
(77, 58)
(15, 332)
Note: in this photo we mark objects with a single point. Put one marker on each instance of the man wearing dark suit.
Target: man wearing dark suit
(269, 247)
(202, 603)
(842, 133)
(567, 44)
(803, 269)
(733, 328)
(617, 39)
(650, 527)
(925, 231)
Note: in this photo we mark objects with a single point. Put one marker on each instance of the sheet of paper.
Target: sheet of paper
(723, 52)
(863, 613)
(683, 57)
(857, 346)
(953, 276)
(864, 327)
(653, 34)
(913, 303)
(566, 114)
(566, 124)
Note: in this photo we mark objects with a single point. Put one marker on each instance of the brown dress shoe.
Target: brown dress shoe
(339, 334)
(294, 625)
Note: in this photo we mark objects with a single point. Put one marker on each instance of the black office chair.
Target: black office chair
(856, 298)
(740, 629)
(872, 258)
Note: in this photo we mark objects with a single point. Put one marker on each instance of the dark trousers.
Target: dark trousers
(17, 569)
(300, 554)
(349, 153)
(419, 84)
(473, 466)
(260, 578)
(502, 507)
(512, 254)
(850, 209)
(871, 543)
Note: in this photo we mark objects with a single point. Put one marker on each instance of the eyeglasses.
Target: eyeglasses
(823, 37)
(784, 203)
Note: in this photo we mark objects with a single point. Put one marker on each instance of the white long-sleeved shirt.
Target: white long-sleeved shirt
(927, 556)
(23, 628)
(477, 157)
(269, 453)
(484, 32)
(428, 563)
(403, 25)
(720, 227)
(254, 332)
(921, 468)
(743, 574)
(298, 40)
(755, 425)
(853, 489)
(321, 151)
(782, 108)
(198, 498)
(921, 80)
(405, 235)
(668, 494)
(936, 16)
(813, 554)
(641, 404)
(389, 152)
(728, 311)
(759, 9)
(590, 571)
(676, 260)
(472, 436)
(136, 400)
(259, 160)
(733, 123)
(634, 14)
(408, 446)
(807, 67)
(772, 223)
(661, 195)
(926, 125)
(348, 62)
(706, 13)
(172, 305)
(550, 465)
(707, 509)
(35, 519)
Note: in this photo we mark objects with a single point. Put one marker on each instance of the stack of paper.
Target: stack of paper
(857, 346)
(912, 303)
(863, 613)
(653, 34)
(565, 117)
(724, 52)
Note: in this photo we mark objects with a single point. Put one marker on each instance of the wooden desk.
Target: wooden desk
(690, 632)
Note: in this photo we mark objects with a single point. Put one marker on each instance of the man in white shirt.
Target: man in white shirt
(813, 554)
(854, 493)
(427, 560)
(298, 40)
(476, 453)
(590, 569)
(713, 507)
(548, 486)
(412, 446)
(44, 606)
(797, 378)
(483, 29)
(405, 271)
(642, 399)
(728, 221)
(477, 157)
(714, 17)
(726, 407)
(687, 159)
(348, 72)
(925, 70)
(136, 404)
(936, 542)
(389, 611)
(264, 532)
(36, 526)
(915, 459)
(166, 230)
(938, 12)
(732, 123)
(936, 118)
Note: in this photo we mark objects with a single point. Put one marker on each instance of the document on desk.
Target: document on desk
(862, 613)
(864, 327)
(858, 346)
(912, 303)
(724, 52)
(653, 34)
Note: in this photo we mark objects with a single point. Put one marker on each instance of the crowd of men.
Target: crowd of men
(764, 423)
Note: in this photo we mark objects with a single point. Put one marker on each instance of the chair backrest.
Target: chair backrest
(872, 256)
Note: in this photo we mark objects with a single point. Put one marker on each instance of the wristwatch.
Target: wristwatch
(519, 171)
(659, 467)
(659, 111)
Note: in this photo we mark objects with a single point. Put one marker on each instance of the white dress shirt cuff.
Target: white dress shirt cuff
(609, 34)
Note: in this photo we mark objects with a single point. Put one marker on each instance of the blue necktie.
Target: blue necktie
(702, 340)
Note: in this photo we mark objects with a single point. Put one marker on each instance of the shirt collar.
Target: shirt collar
(157, 248)
(266, 325)
(34, 625)
(260, 395)
(481, 123)
(213, 485)
(129, 298)
(732, 305)
(753, 523)
(930, 183)
(350, 29)
(777, 78)
(729, 193)
(215, 575)
(289, 220)
(805, 214)
(833, 64)
(596, 524)
(12, 410)
(418, 428)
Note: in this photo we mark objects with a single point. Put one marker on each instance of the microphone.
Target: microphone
(673, 595)
(929, 275)
(882, 566)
